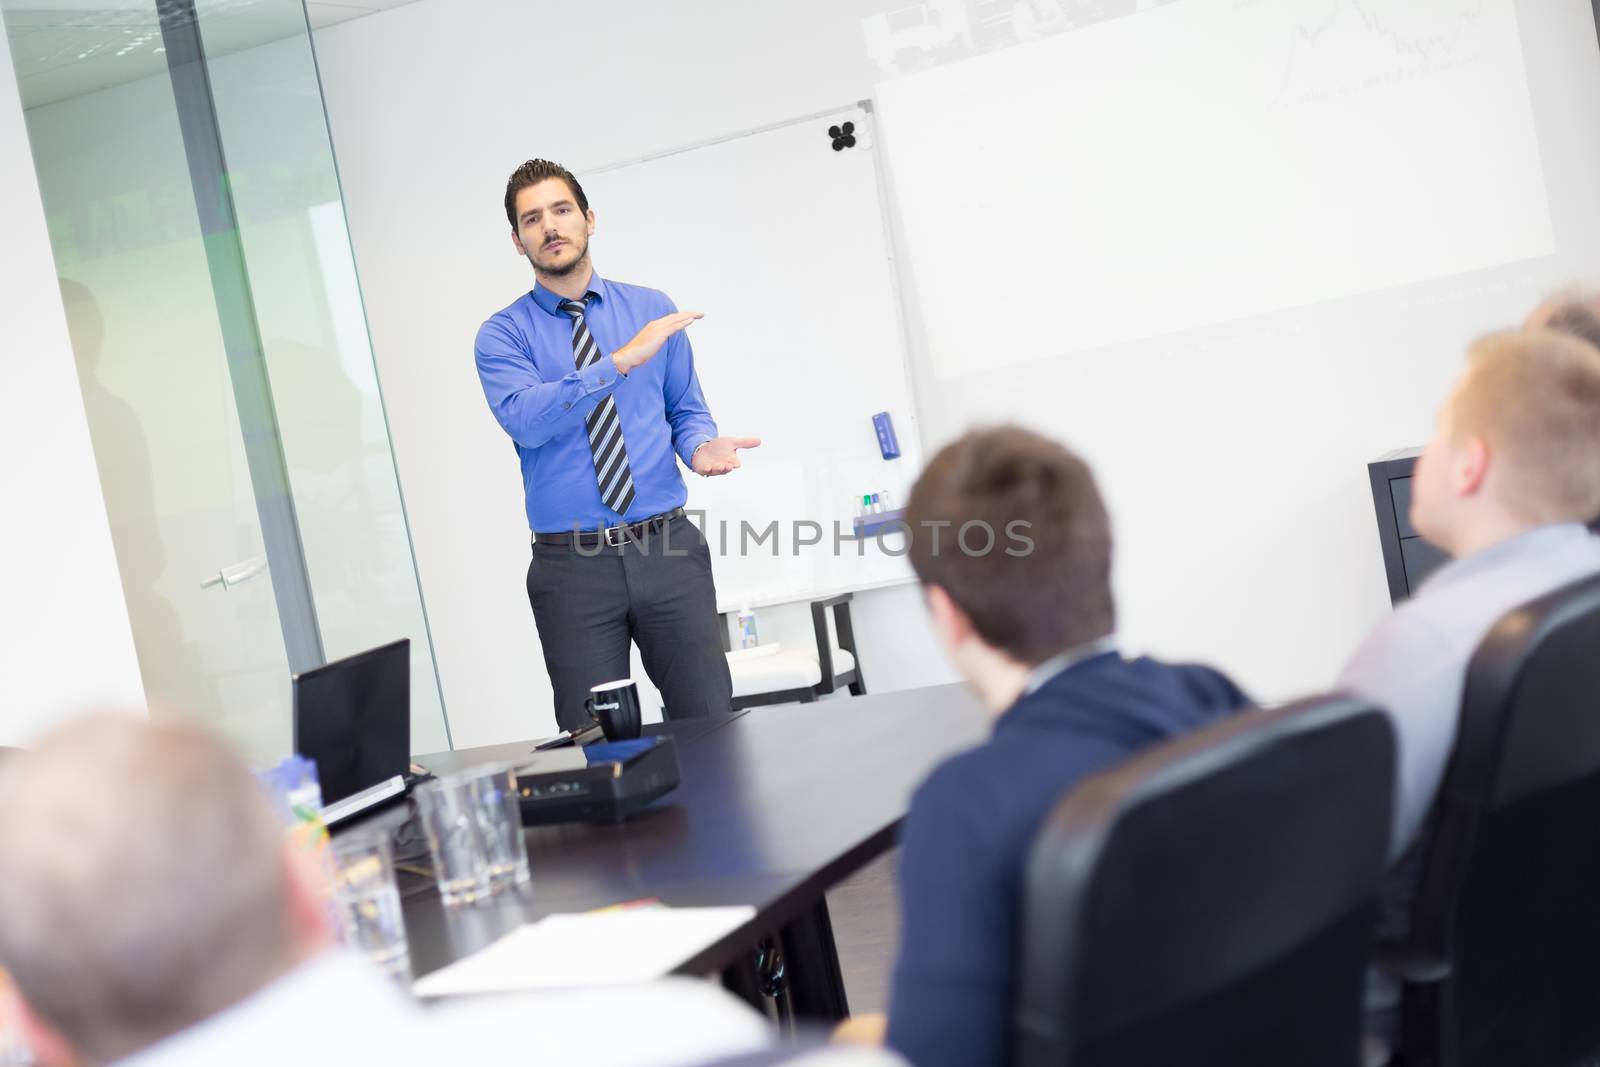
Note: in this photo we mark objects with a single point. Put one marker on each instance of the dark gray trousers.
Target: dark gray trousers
(588, 603)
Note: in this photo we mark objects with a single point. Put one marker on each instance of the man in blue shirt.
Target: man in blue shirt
(594, 381)
(1504, 487)
(1013, 547)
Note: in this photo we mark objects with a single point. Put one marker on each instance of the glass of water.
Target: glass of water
(500, 821)
(448, 808)
(369, 902)
(474, 828)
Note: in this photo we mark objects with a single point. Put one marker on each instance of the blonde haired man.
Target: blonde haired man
(1504, 487)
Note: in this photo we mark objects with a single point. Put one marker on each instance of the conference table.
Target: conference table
(776, 806)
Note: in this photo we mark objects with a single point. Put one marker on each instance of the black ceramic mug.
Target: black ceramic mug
(615, 706)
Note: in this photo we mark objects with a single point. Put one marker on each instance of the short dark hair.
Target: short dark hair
(1029, 490)
(533, 172)
(1577, 318)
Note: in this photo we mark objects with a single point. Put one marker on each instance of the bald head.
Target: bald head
(144, 885)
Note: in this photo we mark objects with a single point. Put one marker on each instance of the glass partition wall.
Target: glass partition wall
(194, 211)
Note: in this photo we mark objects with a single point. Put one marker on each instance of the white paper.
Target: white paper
(609, 947)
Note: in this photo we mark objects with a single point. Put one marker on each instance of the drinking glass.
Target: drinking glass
(474, 827)
(369, 902)
(500, 821)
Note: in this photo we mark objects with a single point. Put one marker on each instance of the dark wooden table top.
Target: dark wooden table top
(776, 805)
(684, 731)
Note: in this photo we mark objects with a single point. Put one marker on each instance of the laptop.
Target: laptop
(353, 717)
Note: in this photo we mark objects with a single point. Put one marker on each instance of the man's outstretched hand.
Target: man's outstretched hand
(648, 341)
(721, 454)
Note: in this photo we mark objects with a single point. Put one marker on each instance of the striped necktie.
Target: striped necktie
(605, 427)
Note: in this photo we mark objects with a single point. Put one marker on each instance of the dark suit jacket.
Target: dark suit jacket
(973, 822)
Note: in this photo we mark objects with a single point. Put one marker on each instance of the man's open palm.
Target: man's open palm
(721, 454)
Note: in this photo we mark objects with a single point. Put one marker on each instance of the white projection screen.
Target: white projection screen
(1231, 251)
(1235, 156)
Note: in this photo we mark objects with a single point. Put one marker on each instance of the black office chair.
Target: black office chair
(1211, 903)
(1499, 963)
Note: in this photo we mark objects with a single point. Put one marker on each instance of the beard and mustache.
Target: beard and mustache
(581, 245)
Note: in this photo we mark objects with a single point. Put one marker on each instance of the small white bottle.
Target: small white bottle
(747, 627)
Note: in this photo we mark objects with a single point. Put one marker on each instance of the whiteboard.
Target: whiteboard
(780, 241)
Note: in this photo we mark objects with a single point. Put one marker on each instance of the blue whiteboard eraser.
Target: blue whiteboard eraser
(887, 443)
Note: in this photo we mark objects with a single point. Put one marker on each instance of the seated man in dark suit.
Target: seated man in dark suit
(1012, 544)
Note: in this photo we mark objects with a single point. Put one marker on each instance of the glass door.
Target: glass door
(284, 182)
(195, 216)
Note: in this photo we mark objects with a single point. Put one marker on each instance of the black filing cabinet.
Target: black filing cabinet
(1407, 558)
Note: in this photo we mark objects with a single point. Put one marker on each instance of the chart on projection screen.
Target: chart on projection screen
(1207, 161)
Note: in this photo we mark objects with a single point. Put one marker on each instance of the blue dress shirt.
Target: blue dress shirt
(530, 379)
(1414, 663)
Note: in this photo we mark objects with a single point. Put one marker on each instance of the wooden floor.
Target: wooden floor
(866, 928)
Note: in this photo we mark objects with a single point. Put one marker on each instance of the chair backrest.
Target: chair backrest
(1509, 893)
(1212, 901)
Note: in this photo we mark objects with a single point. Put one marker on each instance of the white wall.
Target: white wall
(1234, 462)
(65, 641)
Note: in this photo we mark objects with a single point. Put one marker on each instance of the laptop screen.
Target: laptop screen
(353, 716)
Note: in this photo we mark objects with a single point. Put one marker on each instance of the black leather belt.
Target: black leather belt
(611, 536)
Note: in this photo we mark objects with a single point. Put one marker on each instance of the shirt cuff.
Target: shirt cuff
(601, 376)
(693, 446)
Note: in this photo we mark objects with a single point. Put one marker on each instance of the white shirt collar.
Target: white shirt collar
(1070, 658)
(1537, 542)
(328, 1004)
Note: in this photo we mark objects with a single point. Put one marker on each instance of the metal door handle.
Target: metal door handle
(238, 573)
